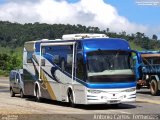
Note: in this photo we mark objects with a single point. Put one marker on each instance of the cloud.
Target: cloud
(22, 1)
(86, 12)
(154, 30)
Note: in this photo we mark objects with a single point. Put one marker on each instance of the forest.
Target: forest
(14, 35)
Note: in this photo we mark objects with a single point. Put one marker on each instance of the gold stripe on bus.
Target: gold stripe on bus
(47, 85)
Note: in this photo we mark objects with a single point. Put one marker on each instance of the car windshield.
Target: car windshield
(109, 63)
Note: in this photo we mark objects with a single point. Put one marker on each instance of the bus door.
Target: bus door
(61, 68)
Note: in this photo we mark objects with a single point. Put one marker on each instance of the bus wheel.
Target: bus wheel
(70, 98)
(154, 87)
(12, 94)
(21, 94)
(38, 99)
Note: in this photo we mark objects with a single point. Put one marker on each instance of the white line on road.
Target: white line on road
(122, 112)
(4, 85)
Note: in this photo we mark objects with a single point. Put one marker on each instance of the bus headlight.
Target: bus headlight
(129, 90)
(94, 91)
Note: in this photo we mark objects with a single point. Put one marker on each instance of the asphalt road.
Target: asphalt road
(17, 108)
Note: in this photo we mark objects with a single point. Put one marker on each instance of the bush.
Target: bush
(8, 63)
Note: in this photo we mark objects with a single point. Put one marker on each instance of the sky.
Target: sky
(117, 15)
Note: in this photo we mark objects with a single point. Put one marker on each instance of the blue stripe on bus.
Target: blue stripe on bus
(112, 85)
(107, 85)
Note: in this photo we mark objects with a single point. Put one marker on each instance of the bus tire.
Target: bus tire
(38, 98)
(21, 93)
(70, 98)
(154, 87)
(12, 94)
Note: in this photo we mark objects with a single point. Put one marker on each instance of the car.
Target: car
(16, 83)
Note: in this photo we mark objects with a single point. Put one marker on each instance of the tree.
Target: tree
(154, 37)
(140, 35)
(107, 30)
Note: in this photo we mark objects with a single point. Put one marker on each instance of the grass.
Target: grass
(4, 73)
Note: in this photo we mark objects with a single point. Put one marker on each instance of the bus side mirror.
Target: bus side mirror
(138, 55)
(42, 62)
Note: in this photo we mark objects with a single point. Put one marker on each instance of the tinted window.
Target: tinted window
(100, 61)
(79, 46)
(17, 77)
(62, 56)
(151, 60)
(66, 61)
(80, 67)
(12, 76)
(29, 57)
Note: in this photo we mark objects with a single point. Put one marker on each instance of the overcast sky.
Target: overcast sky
(118, 15)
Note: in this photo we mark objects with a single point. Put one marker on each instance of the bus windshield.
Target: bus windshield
(109, 64)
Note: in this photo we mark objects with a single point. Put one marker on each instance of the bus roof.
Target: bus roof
(105, 44)
(89, 44)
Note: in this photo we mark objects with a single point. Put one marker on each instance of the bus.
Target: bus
(80, 69)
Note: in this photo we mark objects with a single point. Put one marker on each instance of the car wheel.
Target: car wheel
(21, 94)
(12, 94)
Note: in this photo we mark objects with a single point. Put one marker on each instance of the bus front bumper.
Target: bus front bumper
(111, 98)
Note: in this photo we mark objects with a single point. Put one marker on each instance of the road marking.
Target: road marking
(122, 112)
(148, 101)
(4, 85)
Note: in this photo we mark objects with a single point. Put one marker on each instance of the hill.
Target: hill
(13, 36)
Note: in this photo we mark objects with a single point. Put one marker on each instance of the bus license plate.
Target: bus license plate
(113, 101)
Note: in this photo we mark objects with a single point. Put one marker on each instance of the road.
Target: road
(145, 104)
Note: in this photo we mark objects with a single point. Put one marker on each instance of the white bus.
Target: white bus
(80, 69)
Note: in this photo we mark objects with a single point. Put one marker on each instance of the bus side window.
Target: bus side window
(29, 57)
(56, 59)
(80, 67)
(63, 66)
(43, 50)
(69, 59)
(69, 63)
